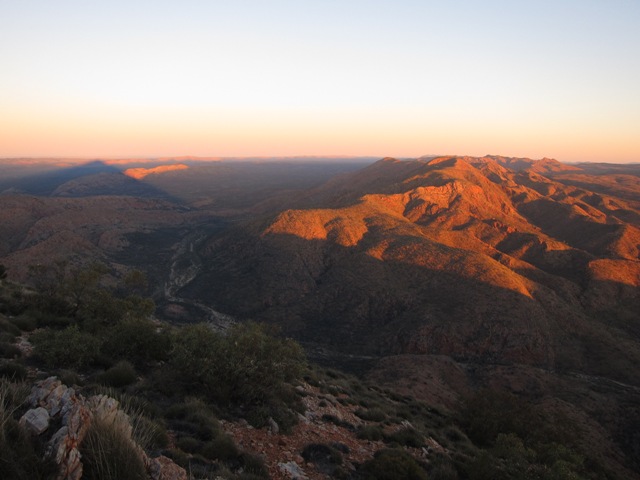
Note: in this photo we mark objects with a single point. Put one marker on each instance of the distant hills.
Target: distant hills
(432, 276)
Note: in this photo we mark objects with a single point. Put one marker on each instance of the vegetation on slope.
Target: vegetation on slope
(178, 384)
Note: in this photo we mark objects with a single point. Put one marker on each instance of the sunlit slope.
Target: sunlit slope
(469, 257)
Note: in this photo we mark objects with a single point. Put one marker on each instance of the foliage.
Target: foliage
(9, 327)
(372, 414)
(75, 291)
(392, 464)
(8, 350)
(321, 453)
(247, 368)
(120, 375)
(488, 413)
(518, 437)
(370, 432)
(221, 448)
(20, 456)
(13, 371)
(137, 340)
(194, 418)
(66, 348)
(407, 437)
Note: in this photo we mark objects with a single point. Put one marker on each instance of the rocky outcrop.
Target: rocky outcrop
(56, 404)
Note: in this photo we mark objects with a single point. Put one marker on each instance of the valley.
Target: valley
(433, 277)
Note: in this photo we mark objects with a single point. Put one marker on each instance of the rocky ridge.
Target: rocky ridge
(65, 417)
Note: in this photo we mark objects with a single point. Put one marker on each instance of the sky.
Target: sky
(557, 79)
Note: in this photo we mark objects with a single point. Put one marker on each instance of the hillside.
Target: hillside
(467, 257)
(431, 279)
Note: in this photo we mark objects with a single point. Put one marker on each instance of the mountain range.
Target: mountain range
(432, 276)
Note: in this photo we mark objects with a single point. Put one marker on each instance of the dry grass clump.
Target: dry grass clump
(109, 451)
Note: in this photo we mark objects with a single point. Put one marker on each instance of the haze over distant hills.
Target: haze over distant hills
(433, 275)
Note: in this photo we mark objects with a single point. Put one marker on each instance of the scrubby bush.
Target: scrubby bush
(120, 375)
(488, 413)
(221, 448)
(26, 323)
(6, 337)
(254, 465)
(407, 437)
(66, 348)
(8, 350)
(391, 465)
(9, 327)
(337, 421)
(246, 365)
(321, 453)
(194, 418)
(137, 340)
(371, 415)
(188, 444)
(13, 371)
(246, 368)
(370, 432)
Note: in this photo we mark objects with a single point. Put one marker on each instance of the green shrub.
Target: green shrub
(371, 415)
(9, 327)
(24, 322)
(13, 371)
(246, 368)
(321, 453)
(254, 465)
(391, 465)
(149, 434)
(6, 337)
(488, 413)
(195, 418)
(336, 421)
(222, 448)
(120, 375)
(178, 456)
(188, 444)
(442, 469)
(454, 434)
(370, 432)
(8, 350)
(407, 437)
(137, 340)
(70, 377)
(66, 348)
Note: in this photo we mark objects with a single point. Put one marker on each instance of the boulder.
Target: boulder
(36, 420)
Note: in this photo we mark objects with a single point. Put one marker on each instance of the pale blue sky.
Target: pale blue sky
(403, 78)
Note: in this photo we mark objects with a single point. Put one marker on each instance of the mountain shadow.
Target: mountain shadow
(87, 179)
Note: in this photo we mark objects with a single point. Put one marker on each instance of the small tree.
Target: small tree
(246, 367)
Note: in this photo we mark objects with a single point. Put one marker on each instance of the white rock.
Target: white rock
(36, 420)
(292, 470)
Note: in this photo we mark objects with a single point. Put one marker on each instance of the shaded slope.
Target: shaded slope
(453, 255)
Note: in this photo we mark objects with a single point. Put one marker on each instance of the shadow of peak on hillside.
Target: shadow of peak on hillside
(92, 178)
